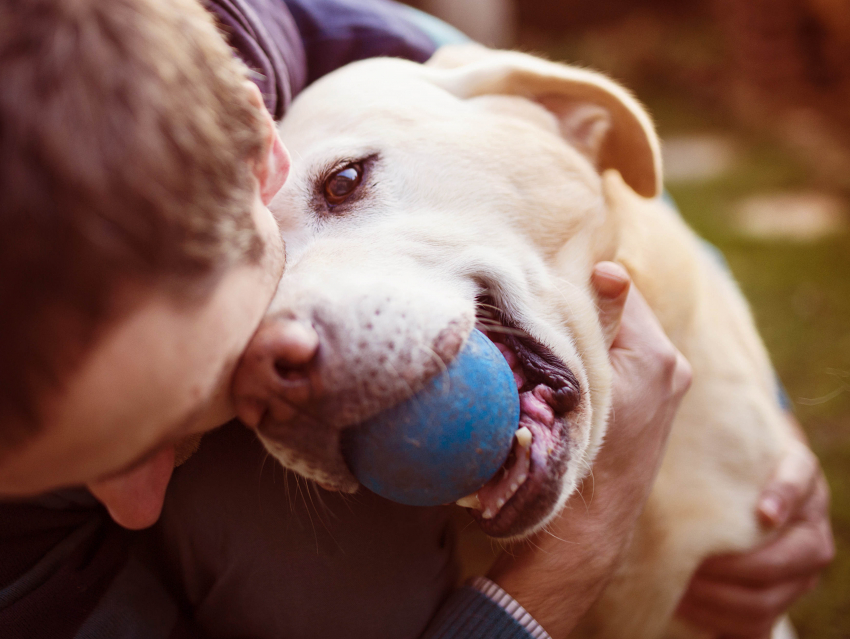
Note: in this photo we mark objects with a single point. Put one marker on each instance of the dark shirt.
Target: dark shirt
(261, 553)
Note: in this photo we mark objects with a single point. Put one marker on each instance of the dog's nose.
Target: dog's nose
(277, 374)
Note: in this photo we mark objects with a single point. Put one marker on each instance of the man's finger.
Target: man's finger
(612, 283)
(803, 551)
(738, 603)
(791, 484)
(738, 610)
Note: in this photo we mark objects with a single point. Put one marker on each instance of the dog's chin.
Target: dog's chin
(526, 491)
(328, 471)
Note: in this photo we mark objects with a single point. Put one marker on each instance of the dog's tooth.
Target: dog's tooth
(523, 437)
(487, 514)
(521, 479)
(470, 501)
(500, 503)
(514, 487)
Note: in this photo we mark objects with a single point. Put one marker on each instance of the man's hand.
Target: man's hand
(561, 572)
(743, 595)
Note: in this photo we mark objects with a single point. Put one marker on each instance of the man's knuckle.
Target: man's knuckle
(755, 627)
(826, 551)
(768, 607)
(684, 374)
(669, 357)
(676, 371)
(763, 612)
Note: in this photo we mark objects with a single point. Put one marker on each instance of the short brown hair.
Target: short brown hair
(126, 140)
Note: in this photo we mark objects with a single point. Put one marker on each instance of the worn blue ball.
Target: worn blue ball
(447, 440)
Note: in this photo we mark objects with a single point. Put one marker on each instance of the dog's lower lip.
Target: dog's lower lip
(537, 494)
(519, 504)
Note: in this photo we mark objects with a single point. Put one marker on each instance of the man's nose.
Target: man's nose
(134, 498)
(278, 374)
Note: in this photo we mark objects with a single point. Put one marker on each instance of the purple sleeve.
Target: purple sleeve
(336, 32)
(291, 43)
(264, 35)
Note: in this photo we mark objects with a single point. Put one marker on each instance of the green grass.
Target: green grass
(800, 295)
(799, 292)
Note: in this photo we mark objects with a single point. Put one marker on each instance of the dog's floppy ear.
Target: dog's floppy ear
(598, 116)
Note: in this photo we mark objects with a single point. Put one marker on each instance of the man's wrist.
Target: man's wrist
(501, 598)
(559, 578)
(556, 601)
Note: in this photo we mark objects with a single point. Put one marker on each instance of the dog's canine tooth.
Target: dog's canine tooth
(487, 514)
(470, 501)
(523, 437)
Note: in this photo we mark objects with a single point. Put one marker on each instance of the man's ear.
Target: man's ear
(596, 115)
(272, 167)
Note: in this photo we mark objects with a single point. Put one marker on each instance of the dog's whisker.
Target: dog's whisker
(307, 510)
(389, 367)
(484, 307)
(312, 488)
(434, 356)
(551, 534)
(535, 546)
(286, 489)
(499, 328)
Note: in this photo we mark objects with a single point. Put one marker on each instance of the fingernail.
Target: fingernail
(773, 510)
(610, 279)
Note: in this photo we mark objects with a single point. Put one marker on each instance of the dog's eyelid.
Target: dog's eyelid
(334, 166)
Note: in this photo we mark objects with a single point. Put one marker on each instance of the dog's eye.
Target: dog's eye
(342, 183)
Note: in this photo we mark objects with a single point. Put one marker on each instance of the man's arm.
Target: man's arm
(291, 43)
(560, 574)
(337, 32)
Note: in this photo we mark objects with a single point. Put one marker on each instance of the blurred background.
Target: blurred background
(751, 99)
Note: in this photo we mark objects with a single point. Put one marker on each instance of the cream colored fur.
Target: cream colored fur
(504, 171)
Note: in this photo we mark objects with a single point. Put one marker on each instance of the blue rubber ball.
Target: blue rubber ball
(445, 441)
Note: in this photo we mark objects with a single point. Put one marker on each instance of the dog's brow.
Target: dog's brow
(327, 167)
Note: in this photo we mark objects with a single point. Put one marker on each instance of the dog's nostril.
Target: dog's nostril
(290, 372)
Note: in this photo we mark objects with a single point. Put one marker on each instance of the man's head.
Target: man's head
(136, 252)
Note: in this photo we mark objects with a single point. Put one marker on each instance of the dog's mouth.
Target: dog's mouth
(525, 490)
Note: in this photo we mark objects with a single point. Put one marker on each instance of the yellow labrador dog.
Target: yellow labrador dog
(480, 189)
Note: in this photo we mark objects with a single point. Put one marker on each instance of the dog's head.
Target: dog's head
(424, 201)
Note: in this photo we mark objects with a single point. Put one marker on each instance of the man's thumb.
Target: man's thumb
(791, 483)
(611, 282)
